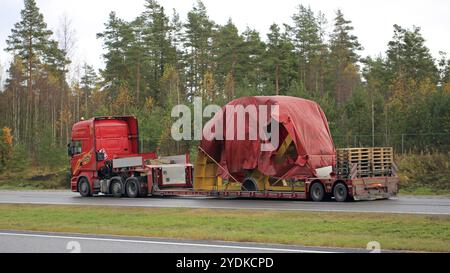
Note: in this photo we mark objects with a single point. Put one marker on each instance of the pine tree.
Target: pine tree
(408, 54)
(344, 47)
(376, 75)
(158, 48)
(413, 79)
(198, 43)
(137, 56)
(30, 39)
(252, 61)
(87, 85)
(228, 53)
(307, 37)
(116, 72)
(176, 34)
(279, 60)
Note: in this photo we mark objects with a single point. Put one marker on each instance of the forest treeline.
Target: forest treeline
(400, 98)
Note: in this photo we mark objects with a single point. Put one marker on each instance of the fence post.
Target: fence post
(403, 143)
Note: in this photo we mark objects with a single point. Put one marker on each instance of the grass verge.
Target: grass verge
(393, 231)
(424, 191)
(35, 179)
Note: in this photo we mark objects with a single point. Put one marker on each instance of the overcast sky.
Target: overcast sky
(372, 20)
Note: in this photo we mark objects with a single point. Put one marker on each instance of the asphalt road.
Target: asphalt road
(40, 242)
(403, 204)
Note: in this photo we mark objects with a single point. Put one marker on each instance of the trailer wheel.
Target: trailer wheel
(340, 192)
(249, 185)
(84, 188)
(132, 187)
(116, 188)
(317, 192)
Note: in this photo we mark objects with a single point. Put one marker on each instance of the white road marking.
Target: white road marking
(224, 207)
(162, 243)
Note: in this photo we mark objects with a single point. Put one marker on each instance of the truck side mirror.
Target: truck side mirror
(70, 149)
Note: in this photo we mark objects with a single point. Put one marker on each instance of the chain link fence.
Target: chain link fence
(402, 143)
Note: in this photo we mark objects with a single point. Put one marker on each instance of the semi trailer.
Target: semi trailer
(106, 159)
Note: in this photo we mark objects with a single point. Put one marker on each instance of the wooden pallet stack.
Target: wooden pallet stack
(342, 163)
(382, 160)
(365, 162)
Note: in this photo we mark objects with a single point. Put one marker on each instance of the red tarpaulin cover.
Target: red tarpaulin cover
(302, 119)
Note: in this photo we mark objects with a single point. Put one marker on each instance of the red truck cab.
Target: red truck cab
(105, 156)
(97, 139)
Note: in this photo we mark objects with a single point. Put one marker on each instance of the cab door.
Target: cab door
(81, 149)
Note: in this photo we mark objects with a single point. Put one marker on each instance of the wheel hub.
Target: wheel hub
(317, 192)
(132, 188)
(116, 187)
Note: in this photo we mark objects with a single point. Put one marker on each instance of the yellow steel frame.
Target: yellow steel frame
(205, 177)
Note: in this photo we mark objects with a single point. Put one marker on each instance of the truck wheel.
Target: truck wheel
(132, 187)
(116, 188)
(84, 188)
(249, 185)
(316, 192)
(340, 192)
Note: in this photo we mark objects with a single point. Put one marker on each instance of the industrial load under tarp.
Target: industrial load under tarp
(302, 124)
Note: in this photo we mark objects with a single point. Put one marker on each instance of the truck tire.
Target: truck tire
(132, 187)
(116, 188)
(249, 185)
(317, 192)
(340, 192)
(84, 188)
